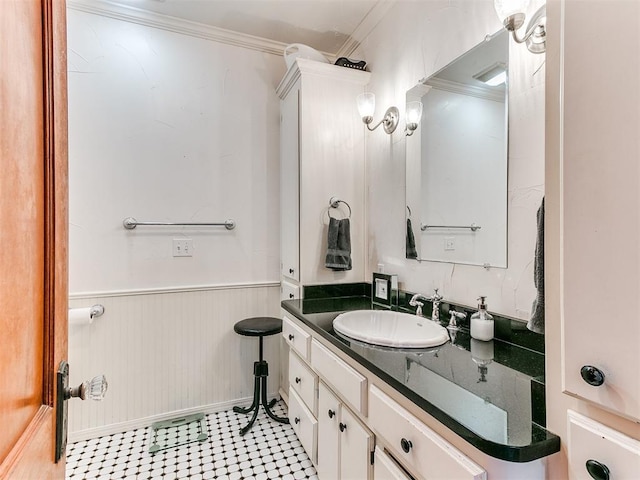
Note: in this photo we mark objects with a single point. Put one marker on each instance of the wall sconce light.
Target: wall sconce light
(511, 13)
(366, 107)
(414, 114)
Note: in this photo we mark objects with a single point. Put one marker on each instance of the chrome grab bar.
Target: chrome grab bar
(473, 227)
(130, 223)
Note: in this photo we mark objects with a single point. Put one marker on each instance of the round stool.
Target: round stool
(259, 327)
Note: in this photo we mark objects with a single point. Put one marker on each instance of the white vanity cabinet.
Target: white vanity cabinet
(321, 156)
(344, 444)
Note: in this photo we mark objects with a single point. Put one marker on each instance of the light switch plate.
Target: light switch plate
(182, 247)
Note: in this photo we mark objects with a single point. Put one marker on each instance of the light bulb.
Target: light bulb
(507, 8)
(366, 104)
(414, 112)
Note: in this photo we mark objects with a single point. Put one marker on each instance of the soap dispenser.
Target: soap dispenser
(482, 322)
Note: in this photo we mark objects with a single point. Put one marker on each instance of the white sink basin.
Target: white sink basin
(390, 329)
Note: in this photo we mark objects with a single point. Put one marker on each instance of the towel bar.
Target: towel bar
(130, 223)
(473, 227)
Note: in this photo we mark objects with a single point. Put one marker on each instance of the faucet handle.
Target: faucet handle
(453, 321)
(414, 302)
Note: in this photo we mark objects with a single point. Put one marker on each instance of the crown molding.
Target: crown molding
(367, 24)
(176, 25)
(305, 66)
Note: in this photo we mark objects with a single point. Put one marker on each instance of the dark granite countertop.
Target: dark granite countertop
(489, 393)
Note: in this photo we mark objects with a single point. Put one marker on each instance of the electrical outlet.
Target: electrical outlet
(182, 247)
(449, 243)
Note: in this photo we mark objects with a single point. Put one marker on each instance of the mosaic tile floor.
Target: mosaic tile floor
(269, 451)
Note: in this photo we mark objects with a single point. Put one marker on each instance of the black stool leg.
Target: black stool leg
(260, 372)
(256, 397)
(267, 405)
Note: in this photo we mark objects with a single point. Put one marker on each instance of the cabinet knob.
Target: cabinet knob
(291, 270)
(406, 445)
(296, 420)
(331, 413)
(290, 337)
(343, 427)
(298, 379)
(592, 375)
(291, 295)
(597, 470)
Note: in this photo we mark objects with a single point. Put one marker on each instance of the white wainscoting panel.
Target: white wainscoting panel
(168, 352)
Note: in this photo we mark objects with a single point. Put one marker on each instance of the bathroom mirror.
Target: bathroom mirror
(456, 185)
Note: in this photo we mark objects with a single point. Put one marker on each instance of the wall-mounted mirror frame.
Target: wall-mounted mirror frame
(457, 160)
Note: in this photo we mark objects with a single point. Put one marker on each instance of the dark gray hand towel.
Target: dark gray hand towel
(338, 245)
(411, 241)
(536, 322)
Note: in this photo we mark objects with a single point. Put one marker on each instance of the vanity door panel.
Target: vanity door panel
(290, 185)
(385, 468)
(425, 452)
(351, 385)
(596, 447)
(600, 208)
(297, 338)
(304, 424)
(303, 381)
(328, 433)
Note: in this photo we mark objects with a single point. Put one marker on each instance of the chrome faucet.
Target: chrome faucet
(435, 298)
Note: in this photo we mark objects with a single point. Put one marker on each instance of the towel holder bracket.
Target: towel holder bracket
(334, 202)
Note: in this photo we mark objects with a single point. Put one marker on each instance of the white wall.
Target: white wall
(166, 354)
(169, 127)
(413, 41)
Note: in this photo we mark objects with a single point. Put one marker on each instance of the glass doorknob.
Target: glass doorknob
(95, 389)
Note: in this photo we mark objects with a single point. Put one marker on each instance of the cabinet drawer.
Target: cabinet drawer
(344, 379)
(296, 337)
(424, 451)
(303, 381)
(304, 424)
(601, 446)
(385, 468)
(289, 291)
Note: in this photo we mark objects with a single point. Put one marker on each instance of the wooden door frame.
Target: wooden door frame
(33, 454)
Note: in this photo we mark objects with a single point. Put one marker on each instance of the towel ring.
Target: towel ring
(334, 202)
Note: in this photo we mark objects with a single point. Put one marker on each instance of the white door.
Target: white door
(328, 433)
(356, 445)
(601, 206)
(289, 185)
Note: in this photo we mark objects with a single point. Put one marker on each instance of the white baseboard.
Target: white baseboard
(144, 422)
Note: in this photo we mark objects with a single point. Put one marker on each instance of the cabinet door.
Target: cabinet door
(304, 424)
(600, 205)
(356, 445)
(328, 433)
(386, 469)
(599, 450)
(290, 186)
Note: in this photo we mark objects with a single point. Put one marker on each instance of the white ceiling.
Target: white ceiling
(325, 25)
